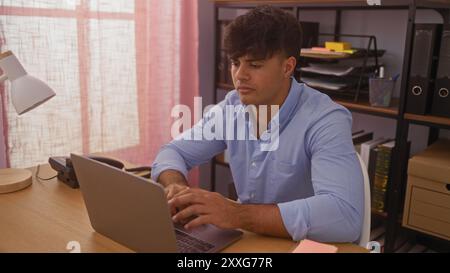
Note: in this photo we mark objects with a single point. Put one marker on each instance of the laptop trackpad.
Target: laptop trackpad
(220, 238)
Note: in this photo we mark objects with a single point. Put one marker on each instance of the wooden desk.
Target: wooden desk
(47, 215)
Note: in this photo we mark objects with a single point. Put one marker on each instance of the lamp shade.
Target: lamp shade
(28, 92)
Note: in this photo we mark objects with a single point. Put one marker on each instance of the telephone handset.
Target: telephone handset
(66, 172)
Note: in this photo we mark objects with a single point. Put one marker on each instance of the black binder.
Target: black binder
(441, 98)
(423, 68)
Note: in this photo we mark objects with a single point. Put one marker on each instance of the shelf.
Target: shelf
(428, 120)
(365, 108)
(379, 214)
(329, 4)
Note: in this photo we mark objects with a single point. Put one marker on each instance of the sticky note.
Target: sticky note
(338, 46)
(308, 246)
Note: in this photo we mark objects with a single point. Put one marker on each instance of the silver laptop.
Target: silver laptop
(133, 211)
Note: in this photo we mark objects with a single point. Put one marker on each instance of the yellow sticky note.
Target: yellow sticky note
(338, 46)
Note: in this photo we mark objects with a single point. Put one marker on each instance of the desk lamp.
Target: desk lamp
(27, 93)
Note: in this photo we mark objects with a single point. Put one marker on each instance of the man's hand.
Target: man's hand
(173, 182)
(208, 207)
(173, 189)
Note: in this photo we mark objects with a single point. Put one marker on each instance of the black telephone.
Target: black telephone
(66, 173)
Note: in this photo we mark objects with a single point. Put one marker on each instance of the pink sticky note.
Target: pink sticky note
(308, 246)
(321, 49)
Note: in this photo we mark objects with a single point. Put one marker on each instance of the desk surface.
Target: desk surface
(47, 215)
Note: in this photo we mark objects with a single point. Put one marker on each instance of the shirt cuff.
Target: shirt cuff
(168, 159)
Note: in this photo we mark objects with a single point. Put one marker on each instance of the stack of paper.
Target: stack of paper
(323, 84)
(329, 69)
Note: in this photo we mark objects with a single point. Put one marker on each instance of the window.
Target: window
(108, 62)
(86, 51)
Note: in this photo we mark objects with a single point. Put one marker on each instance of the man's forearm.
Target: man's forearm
(262, 219)
(172, 177)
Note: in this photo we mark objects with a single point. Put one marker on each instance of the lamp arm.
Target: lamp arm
(3, 78)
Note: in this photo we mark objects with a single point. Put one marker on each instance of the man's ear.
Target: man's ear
(289, 67)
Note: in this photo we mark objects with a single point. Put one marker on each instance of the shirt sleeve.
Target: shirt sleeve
(335, 212)
(191, 148)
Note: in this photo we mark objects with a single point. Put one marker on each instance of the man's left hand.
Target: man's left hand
(207, 208)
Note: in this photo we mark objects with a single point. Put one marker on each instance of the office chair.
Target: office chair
(365, 232)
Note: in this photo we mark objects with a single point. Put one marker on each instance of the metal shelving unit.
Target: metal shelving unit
(400, 155)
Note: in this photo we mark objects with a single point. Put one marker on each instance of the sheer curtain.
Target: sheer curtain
(117, 66)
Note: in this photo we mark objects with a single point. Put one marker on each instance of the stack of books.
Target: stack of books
(376, 155)
(383, 163)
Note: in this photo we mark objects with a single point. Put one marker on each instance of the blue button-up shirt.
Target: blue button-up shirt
(313, 174)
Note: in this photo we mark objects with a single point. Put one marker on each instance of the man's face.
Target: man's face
(261, 82)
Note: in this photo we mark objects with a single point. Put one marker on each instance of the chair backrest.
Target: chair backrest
(365, 233)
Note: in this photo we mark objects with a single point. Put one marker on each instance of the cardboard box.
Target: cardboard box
(427, 202)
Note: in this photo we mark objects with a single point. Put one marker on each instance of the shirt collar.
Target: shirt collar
(287, 109)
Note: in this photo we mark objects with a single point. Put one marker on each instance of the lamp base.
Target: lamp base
(12, 180)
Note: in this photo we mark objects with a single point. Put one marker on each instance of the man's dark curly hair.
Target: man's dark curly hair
(263, 32)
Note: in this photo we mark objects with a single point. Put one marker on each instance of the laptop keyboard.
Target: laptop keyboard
(188, 244)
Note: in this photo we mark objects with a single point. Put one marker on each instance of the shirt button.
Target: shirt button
(253, 164)
(265, 137)
(252, 196)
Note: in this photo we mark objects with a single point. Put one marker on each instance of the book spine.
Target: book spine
(383, 163)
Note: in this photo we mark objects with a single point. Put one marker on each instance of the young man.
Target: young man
(310, 185)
